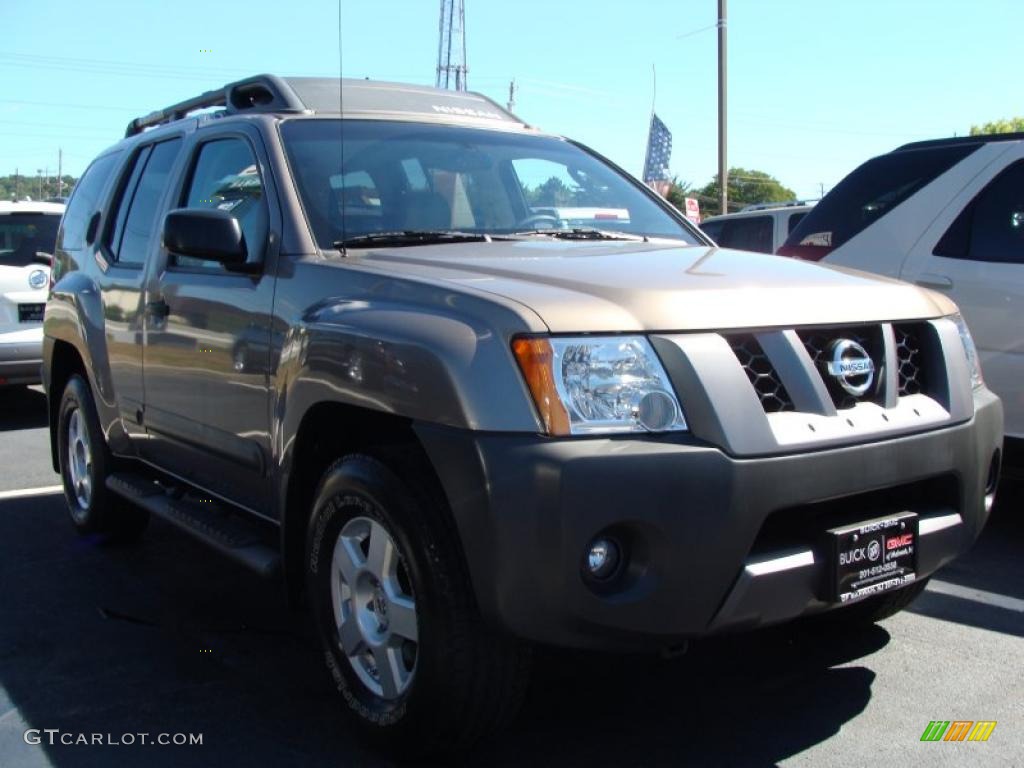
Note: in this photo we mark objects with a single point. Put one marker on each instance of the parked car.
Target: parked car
(762, 227)
(459, 430)
(948, 215)
(28, 232)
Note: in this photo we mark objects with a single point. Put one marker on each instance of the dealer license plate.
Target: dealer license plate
(31, 313)
(873, 556)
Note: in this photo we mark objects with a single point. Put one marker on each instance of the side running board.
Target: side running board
(244, 541)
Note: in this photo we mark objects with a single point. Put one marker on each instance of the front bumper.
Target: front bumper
(716, 543)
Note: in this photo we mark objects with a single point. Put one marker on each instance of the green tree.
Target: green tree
(23, 187)
(746, 187)
(678, 192)
(554, 192)
(1007, 125)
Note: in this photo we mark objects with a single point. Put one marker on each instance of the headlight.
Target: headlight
(598, 385)
(970, 350)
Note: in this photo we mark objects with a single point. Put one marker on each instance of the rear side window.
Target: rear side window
(991, 227)
(747, 233)
(122, 202)
(794, 219)
(868, 194)
(85, 201)
(136, 233)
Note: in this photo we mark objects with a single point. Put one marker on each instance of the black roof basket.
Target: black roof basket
(262, 93)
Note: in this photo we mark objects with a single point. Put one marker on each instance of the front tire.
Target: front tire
(85, 462)
(407, 650)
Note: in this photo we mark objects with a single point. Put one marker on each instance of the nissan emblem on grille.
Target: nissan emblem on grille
(850, 365)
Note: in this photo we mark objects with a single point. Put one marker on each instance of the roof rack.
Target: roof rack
(982, 138)
(262, 93)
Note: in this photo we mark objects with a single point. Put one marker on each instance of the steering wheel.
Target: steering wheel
(539, 221)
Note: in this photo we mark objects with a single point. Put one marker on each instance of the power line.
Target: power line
(53, 125)
(134, 110)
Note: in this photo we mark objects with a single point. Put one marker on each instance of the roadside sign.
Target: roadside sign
(693, 210)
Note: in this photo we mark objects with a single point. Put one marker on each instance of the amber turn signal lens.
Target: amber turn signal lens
(535, 358)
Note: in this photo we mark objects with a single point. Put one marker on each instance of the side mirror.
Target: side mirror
(205, 234)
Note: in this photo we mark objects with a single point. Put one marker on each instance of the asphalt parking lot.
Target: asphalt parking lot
(167, 638)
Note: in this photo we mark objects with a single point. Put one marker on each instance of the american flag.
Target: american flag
(659, 151)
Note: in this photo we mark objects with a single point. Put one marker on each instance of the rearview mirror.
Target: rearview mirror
(205, 234)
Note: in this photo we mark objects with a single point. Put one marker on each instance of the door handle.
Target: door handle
(158, 308)
(931, 280)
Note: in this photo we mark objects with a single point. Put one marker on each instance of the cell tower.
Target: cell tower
(451, 49)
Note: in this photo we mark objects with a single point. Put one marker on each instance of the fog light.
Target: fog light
(602, 558)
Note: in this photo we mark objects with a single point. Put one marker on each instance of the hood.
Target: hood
(616, 286)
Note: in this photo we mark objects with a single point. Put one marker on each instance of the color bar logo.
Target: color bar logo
(958, 730)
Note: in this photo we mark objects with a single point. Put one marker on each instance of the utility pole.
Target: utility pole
(39, 178)
(723, 167)
(60, 172)
(512, 88)
(17, 185)
(821, 186)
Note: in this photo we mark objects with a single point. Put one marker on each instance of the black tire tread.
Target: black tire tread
(119, 521)
(489, 670)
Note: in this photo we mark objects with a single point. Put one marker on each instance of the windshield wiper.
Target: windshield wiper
(584, 233)
(412, 237)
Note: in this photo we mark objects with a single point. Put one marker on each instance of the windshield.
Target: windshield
(23, 235)
(415, 177)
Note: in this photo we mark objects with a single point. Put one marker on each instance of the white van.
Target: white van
(762, 227)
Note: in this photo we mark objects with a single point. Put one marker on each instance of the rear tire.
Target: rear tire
(85, 463)
(388, 583)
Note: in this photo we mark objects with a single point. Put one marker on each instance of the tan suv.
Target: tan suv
(466, 420)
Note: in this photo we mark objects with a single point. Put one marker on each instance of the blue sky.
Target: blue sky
(815, 86)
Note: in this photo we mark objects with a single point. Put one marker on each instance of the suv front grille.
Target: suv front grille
(762, 374)
(816, 342)
(913, 343)
(909, 363)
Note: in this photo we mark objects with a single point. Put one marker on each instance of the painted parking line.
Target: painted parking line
(977, 595)
(23, 492)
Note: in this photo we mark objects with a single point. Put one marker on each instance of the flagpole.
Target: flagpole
(654, 88)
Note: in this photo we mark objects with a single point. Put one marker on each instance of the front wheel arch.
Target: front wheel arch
(328, 431)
